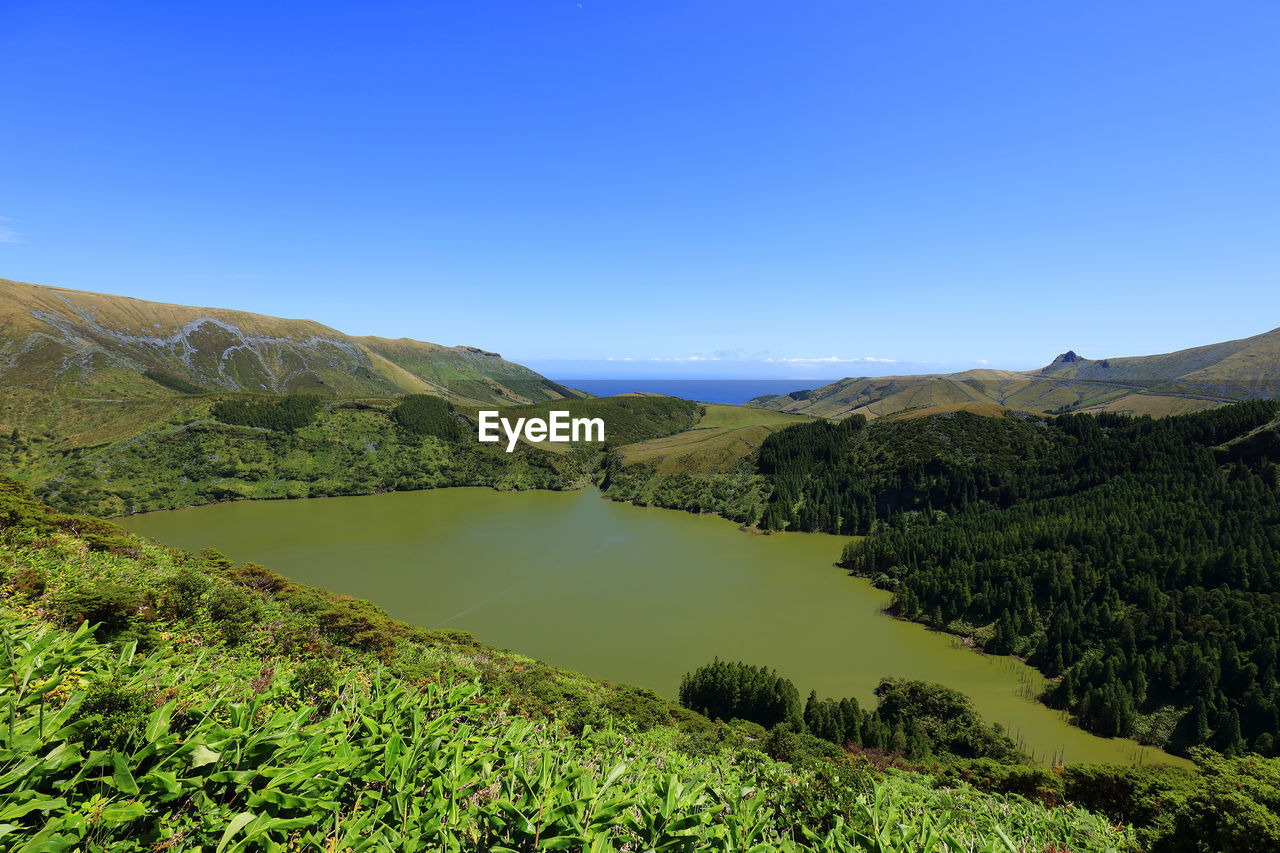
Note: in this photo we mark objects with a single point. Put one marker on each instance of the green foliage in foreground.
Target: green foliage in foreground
(196, 761)
(266, 713)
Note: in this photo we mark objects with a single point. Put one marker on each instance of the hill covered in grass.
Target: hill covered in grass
(1133, 560)
(232, 447)
(1171, 383)
(114, 348)
(158, 699)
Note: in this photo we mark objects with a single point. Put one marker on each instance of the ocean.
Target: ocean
(730, 391)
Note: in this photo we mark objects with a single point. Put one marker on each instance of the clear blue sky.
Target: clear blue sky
(568, 182)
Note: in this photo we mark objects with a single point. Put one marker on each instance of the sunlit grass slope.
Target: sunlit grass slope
(100, 346)
(1172, 383)
(722, 436)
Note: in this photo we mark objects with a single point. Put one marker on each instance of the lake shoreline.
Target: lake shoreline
(819, 609)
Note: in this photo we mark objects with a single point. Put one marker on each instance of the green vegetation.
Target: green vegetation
(628, 419)
(914, 720)
(286, 414)
(990, 527)
(738, 493)
(729, 691)
(1126, 556)
(1131, 560)
(297, 446)
(423, 414)
(173, 383)
(113, 349)
(269, 716)
(843, 477)
(704, 469)
(1158, 385)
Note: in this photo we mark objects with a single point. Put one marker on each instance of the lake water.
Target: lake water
(624, 593)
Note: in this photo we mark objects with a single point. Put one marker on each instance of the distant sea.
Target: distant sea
(731, 391)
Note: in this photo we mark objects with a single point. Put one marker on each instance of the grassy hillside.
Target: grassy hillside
(168, 455)
(164, 700)
(158, 699)
(467, 373)
(628, 418)
(91, 345)
(721, 436)
(1172, 383)
(1241, 369)
(890, 395)
(708, 468)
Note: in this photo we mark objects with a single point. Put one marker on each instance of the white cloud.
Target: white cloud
(832, 359)
(7, 234)
(983, 361)
(684, 358)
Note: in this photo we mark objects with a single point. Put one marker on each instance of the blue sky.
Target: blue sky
(704, 188)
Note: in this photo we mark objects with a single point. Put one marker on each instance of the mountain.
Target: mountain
(1245, 369)
(95, 345)
(1173, 383)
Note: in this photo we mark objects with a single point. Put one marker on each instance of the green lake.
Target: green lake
(623, 593)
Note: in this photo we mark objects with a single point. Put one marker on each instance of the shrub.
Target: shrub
(359, 624)
(798, 748)
(423, 414)
(111, 716)
(258, 578)
(29, 583)
(992, 777)
(110, 607)
(644, 708)
(943, 719)
(180, 593)
(284, 415)
(1235, 808)
(1143, 796)
(175, 383)
(235, 611)
(315, 681)
(215, 560)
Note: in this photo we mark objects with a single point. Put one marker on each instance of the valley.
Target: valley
(208, 430)
(639, 596)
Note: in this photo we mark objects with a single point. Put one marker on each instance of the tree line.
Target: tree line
(914, 719)
(1135, 560)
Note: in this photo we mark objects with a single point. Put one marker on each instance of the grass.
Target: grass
(628, 418)
(204, 762)
(1158, 385)
(297, 719)
(722, 436)
(95, 345)
(887, 396)
(733, 417)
